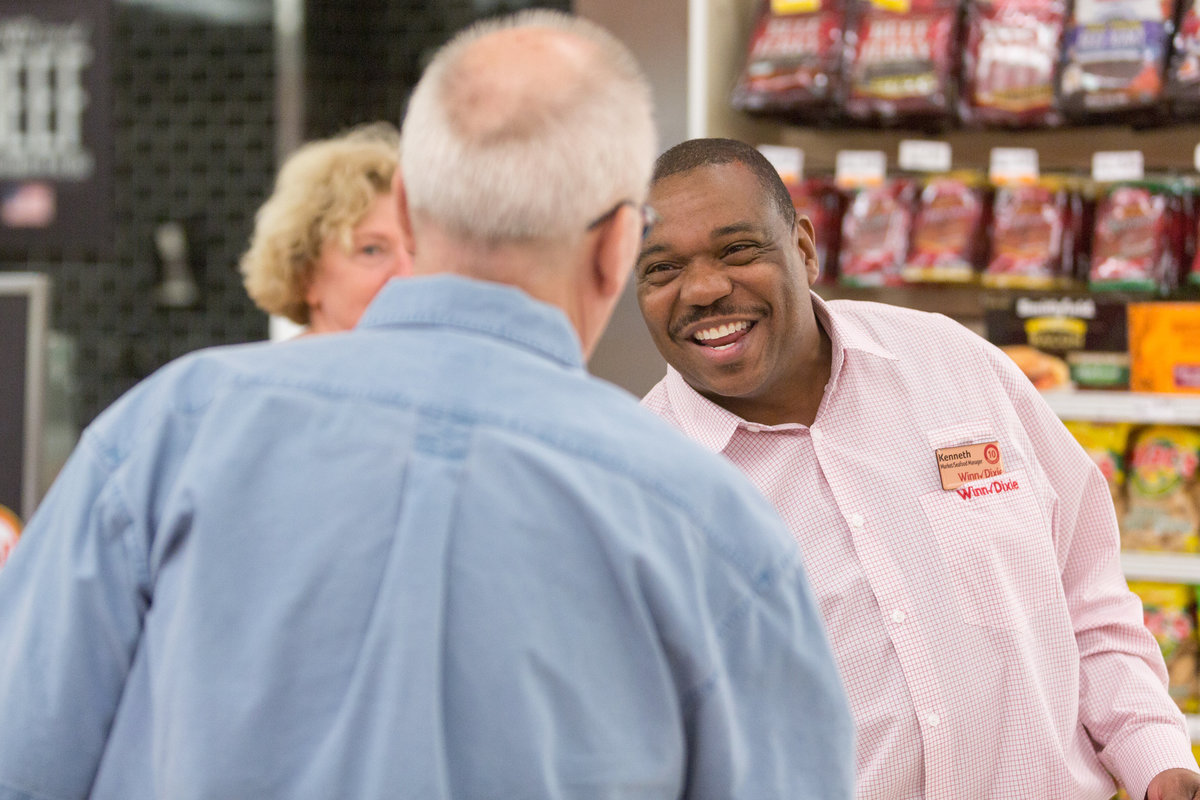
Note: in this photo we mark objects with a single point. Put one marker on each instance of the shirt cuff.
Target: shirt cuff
(1147, 752)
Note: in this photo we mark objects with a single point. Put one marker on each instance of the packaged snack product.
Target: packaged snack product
(947, 235)
(1030, 229)
(1114, 54)
(1106, 444)
(1045, 371)
(1011, 62)
(1164, 347)
(875, 231)
(1135, 240)
(901, 59)
(793, 59)
(1183, 75)
(1161, 512)
(818, 199)
(1169, 611)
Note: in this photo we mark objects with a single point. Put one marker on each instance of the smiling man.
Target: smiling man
(962, 546)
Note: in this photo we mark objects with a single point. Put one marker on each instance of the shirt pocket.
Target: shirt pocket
(997, 548)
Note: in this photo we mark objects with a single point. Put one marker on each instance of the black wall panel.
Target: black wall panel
(194, 118)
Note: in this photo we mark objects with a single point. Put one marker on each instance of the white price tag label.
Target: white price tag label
(788, 161)
(923, 155)
(1009, 165)
(1196, 158)
(858, 168)
(1118, 165)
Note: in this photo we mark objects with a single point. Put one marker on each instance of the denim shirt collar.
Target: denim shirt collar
(495, 309)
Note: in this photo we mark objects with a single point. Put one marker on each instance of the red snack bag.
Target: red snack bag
(1191, 226)
(1030, 225)
(1183, 76)
(1115, 54)
(1133, 243)
(1011, 62)
(875, 231)
(792, 61)
(902, 60)
(947, 230)
(817, 199)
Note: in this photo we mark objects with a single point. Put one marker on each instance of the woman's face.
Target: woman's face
(344, 283)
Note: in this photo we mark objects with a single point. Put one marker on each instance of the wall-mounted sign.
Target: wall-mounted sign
(56, 136)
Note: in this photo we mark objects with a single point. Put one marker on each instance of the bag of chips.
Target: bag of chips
(1161, 511)
(875, 233)
(1136, 239)
(1011, 62)
(900, 60)
(793, 60)
(1031, 228)
(1115, 54)
(1106, 444)
(1183, 74)
(947, 236)
(1169, 611)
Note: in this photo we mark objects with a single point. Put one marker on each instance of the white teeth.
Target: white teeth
(721, 330)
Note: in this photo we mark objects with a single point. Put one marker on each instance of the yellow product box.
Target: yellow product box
(1164, 347)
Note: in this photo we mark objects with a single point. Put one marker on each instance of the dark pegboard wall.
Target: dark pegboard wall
(194, 142)
(194, 119)
(362, 57)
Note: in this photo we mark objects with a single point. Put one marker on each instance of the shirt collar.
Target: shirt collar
(498, 310)
(713, 426)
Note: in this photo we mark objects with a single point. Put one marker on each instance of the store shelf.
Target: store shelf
(1097, 406)
(1166, 567)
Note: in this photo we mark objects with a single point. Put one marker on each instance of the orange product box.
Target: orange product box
(1164, 347)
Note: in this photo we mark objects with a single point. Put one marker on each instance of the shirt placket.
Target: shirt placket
(902, 620)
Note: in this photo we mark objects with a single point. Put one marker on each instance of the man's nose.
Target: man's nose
(704, 283)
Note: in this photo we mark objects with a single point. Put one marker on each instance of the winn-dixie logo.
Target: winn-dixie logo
(995, 487)
(968, 467)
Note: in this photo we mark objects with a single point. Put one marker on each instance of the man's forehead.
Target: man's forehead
(719, 195)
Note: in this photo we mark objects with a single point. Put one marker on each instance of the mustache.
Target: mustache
(716, 310)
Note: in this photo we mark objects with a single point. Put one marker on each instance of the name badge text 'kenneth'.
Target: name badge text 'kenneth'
(969, 462)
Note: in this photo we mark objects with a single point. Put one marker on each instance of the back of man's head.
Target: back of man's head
(527, 128)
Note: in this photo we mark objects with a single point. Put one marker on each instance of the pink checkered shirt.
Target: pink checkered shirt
(987, 639)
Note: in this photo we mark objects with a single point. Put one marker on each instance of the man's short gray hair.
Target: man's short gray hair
(544, 169)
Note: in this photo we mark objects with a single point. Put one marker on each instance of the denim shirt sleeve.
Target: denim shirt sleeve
(774, 720)
(65, 653)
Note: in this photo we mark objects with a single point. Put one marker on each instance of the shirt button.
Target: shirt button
(932, 719)
(898, 616)
(856, 521)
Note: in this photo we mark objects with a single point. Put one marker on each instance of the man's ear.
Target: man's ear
(402, 203)
(616, 251)
(806, 239)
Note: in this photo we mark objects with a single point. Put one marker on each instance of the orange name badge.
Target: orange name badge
(969, 462)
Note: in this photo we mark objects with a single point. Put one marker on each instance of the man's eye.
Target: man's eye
(373, 250)
(740, 253)
(660, 270)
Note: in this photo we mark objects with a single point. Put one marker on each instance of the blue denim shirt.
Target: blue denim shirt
(427, 558)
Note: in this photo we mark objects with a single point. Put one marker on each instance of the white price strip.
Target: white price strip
(1196, 158)
(788, 161)
(1118, 165)
(1013, 165)
(921, 155)
(857, 168)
